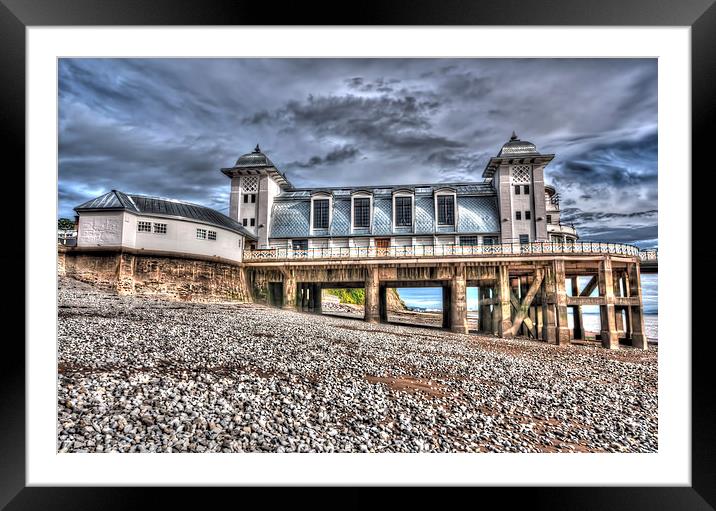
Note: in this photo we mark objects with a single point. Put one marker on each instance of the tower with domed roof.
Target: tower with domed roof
(517, 174)
(255, 181)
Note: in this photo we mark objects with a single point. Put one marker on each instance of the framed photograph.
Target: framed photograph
(419, 250)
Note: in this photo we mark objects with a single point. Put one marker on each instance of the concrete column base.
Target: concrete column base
(562, 336)
(610, 339)
(639, 341)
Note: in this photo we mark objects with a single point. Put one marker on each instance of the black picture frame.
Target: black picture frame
(17, 15)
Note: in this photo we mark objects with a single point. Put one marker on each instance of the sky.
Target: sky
(165, 127)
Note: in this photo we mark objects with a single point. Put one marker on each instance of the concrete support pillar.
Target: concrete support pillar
(383, 303)
(303, 297)
(606, 311)
(458, 301)
(447, 307)
(504, 306)
(485, 312)
(638, 334)
(317, 292)
(561, 296)
(372, 296)
(289, 292)
(495, 311)
(619, 320)
(311, 298)
(549, 315)
(577, 312)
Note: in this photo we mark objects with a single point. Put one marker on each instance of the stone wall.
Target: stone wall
(171, 278)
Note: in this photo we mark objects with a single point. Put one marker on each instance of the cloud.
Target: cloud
(166, 126)
(339, 155)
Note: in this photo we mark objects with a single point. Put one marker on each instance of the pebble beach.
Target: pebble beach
(142, 375)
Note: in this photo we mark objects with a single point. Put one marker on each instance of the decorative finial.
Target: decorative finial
(257, 149)
(513, 137)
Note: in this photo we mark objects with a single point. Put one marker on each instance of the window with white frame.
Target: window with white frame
(446, 210)
(403, 211)
(212, 235)
(160, 228)
(361, 212)
(144, 226)
(320, 213)
(201, 234)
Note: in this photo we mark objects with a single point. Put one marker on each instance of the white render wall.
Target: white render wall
(117, 228)
(101, 229)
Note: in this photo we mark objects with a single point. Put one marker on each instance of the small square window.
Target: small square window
(517, 189)
(160, 228)
(245, 222)
(201, 234)
(144, 226)
(524, 238)
(212, 235)
(518, 215)
(526, 189)
(253, 222)
(528, 215)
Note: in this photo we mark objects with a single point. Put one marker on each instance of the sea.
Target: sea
(429, 299)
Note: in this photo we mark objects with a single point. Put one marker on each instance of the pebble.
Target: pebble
(143, 375)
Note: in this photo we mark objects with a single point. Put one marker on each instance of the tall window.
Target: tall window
(517, 189)
(246, 198)
(253, 197)
(518, 215)
(528, 215)
(549, 219)
(361, 212)
(526, 189)
(403, 211)
(446, 210)
(320, 214)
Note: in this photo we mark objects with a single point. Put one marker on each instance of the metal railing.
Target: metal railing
(649, 254)
(412, 251)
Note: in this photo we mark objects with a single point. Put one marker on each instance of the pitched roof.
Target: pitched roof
(146, 205)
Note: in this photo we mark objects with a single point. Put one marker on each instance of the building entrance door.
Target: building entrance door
(382, 246)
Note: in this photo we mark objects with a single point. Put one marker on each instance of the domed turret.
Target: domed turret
(254, 159)
(516, 146)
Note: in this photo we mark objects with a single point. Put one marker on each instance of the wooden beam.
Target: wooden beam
(590, 287)
(515, 302)
(524, 307)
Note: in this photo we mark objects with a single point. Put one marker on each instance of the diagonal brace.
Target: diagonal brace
(524, 307)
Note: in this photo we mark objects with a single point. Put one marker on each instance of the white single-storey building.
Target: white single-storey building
(158, 225)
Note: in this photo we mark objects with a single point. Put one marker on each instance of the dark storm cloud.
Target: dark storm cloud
(339, 155)
(166, 126)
